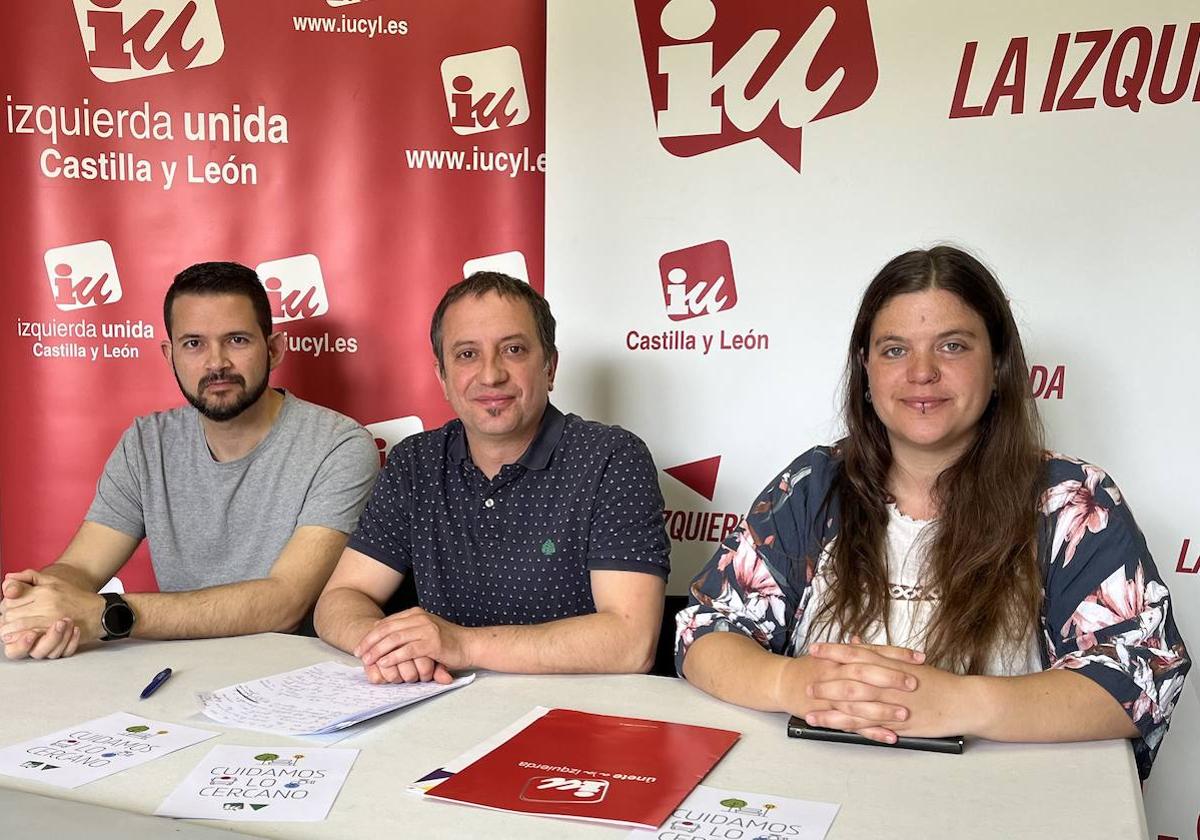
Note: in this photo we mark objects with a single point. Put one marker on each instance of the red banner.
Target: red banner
(362, 156)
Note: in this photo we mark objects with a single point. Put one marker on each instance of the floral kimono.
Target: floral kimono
(1105, 611)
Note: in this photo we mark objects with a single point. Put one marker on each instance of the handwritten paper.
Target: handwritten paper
(316, 700)
(256, 784)
(97, 748)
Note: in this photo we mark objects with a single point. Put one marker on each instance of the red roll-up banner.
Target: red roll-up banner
(362, 156)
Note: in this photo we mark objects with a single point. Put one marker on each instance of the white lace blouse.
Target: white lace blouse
(910, 603)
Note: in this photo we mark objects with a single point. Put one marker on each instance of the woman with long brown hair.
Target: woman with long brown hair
(937, 572)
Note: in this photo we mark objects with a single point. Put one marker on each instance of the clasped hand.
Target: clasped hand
(41, 616)
(881, 691)
(413, 646)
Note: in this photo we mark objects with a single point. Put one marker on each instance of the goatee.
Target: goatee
(223, 413)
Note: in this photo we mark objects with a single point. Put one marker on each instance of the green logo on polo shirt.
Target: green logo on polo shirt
(548, 547)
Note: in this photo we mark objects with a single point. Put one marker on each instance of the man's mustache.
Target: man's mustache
(220, 378)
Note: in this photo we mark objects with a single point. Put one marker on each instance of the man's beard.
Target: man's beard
(227, 412)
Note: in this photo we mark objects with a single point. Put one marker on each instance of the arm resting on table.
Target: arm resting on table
(352, 601)
(276, 603)
(619, 638)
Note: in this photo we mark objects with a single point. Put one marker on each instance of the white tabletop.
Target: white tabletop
(990, 791)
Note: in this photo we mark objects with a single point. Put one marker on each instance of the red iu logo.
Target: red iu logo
(486, 112)
(71, 292)
(485, 90)
(288, 306)
(295, 287)
(82, 275)
(726, 73)
(128, 39)
(562, 789)
(697, 280)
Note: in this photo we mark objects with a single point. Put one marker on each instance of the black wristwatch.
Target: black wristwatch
(117, 619)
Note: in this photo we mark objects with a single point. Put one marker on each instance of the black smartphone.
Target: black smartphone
(797, 728)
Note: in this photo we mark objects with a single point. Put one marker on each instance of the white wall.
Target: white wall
(1088, 216)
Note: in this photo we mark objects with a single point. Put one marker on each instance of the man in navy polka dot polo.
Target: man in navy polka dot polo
(535, 539)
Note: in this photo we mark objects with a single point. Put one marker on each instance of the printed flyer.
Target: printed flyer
(711, 812)
(80, 754)
(261, 784)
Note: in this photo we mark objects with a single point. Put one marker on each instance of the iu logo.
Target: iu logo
(698, 280)
(295, 287)
(562, 789)
(82, 275)
(388, 433)
(485, 90)
(129, 39)
(726, 72)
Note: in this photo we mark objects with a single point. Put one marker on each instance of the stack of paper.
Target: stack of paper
(316, 700)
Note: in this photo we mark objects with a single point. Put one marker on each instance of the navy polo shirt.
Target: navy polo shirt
(517, 548)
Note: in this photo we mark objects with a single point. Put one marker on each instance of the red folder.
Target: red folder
(592, 767)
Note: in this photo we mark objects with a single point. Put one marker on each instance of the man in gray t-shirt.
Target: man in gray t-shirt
(246, 495)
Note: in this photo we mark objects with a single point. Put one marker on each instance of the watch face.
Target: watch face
(117, 618)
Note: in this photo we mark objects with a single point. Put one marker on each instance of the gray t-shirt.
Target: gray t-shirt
(209, 522)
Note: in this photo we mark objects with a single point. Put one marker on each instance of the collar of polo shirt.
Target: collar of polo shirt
(537, 456)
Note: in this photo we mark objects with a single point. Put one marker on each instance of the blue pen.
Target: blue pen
(159, 678)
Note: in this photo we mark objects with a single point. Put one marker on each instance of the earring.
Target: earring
(867, 395)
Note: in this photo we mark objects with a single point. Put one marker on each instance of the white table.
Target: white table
(991, 791)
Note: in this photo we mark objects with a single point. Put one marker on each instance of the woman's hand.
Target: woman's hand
(857, 687)
(939, 703)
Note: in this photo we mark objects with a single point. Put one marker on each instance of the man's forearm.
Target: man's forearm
(344, 616)
(234, 609)
(600, 643)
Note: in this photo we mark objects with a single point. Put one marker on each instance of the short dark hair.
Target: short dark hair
(220, 278)
(481, 283)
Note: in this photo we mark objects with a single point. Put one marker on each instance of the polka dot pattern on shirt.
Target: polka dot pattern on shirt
(517, 548)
